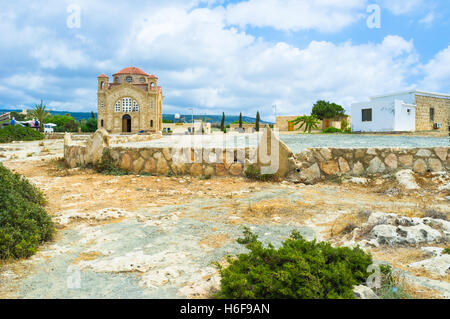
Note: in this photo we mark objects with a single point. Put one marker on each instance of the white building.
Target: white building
(402, 112)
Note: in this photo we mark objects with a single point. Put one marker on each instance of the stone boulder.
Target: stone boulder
(406, 179)
(439, 265)
(364, 292)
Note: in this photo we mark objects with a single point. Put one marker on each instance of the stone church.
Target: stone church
(132, 103)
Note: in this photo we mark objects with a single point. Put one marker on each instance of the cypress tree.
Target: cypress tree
(257, 121)
(240, 120)
(222, 124)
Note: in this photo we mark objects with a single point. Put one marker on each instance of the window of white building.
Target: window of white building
(118, 106)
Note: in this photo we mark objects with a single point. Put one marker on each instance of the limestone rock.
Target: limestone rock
(209, 171)
(406, 179)
(326, 153)
(343, 165)
(236, 169)
(358, 169)
(391, 161)
(441, 152)
(150, 166)
(162, 168)
(138, 165)
(364, 292)
(379, 218)
(385, 234)
(221, 170)
(439, 265)
(330, 167)
(423, 153)
(406, 160)
(376, 166)
(435, 165)
(126, 162)
(420, 166)
(167, 154)
(196, 169)
(311, 174)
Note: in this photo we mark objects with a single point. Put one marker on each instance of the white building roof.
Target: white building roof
(433, 94)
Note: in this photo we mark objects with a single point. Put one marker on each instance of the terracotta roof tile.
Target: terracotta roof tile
(131, 70)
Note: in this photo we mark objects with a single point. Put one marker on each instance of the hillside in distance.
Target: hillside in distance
(171, 117)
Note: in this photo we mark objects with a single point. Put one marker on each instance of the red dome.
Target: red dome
(131, 70)
(102, 76)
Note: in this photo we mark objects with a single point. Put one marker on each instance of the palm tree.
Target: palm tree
(309, 122)
(40, 113)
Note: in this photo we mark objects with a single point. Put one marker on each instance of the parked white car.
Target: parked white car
(48, 128)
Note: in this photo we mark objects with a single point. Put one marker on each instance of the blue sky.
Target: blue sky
(229, 56)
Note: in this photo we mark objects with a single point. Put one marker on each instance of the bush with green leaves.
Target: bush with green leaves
(24, 223)
(299, 269)
(253, 172)
(19, 133)
(331, 130)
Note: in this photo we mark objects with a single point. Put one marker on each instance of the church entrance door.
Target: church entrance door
(126, 124)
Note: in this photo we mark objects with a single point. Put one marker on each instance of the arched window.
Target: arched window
(118, 106)
(129, 79)
(135, 106)
(102, 104)
(116, 79)
(142, 80)
(151, 123)
(126, 104)
(101, 123)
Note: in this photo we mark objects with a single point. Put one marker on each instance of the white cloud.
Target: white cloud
(437, 72)
(210, 66)
(428, 19)
(399, 7)
(295, 15)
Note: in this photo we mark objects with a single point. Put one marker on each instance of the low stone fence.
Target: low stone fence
(316, 164)
(308, 166)
(178, 161)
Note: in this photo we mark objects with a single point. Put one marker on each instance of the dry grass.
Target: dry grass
(87, 256)
(345, 224)
(215, 241)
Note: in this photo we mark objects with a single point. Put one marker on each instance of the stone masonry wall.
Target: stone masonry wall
(441, 113)
(316, 164)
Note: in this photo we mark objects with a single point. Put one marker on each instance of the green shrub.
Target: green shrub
(19, 133)
(24, 224)
(107, 165)
(446, 251)
(253, 172)
(299, 269)
(332, 130)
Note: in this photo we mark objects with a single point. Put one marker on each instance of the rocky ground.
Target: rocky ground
(159, 237)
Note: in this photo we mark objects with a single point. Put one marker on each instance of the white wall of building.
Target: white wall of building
(405, 117)
(383, 117)
(389, 114)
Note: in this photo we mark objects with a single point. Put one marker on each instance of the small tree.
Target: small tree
(257, 121)
(240, 120)
(92, 114)
(325, 110)
(40, 113)
(222, 123)
(309, 122)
